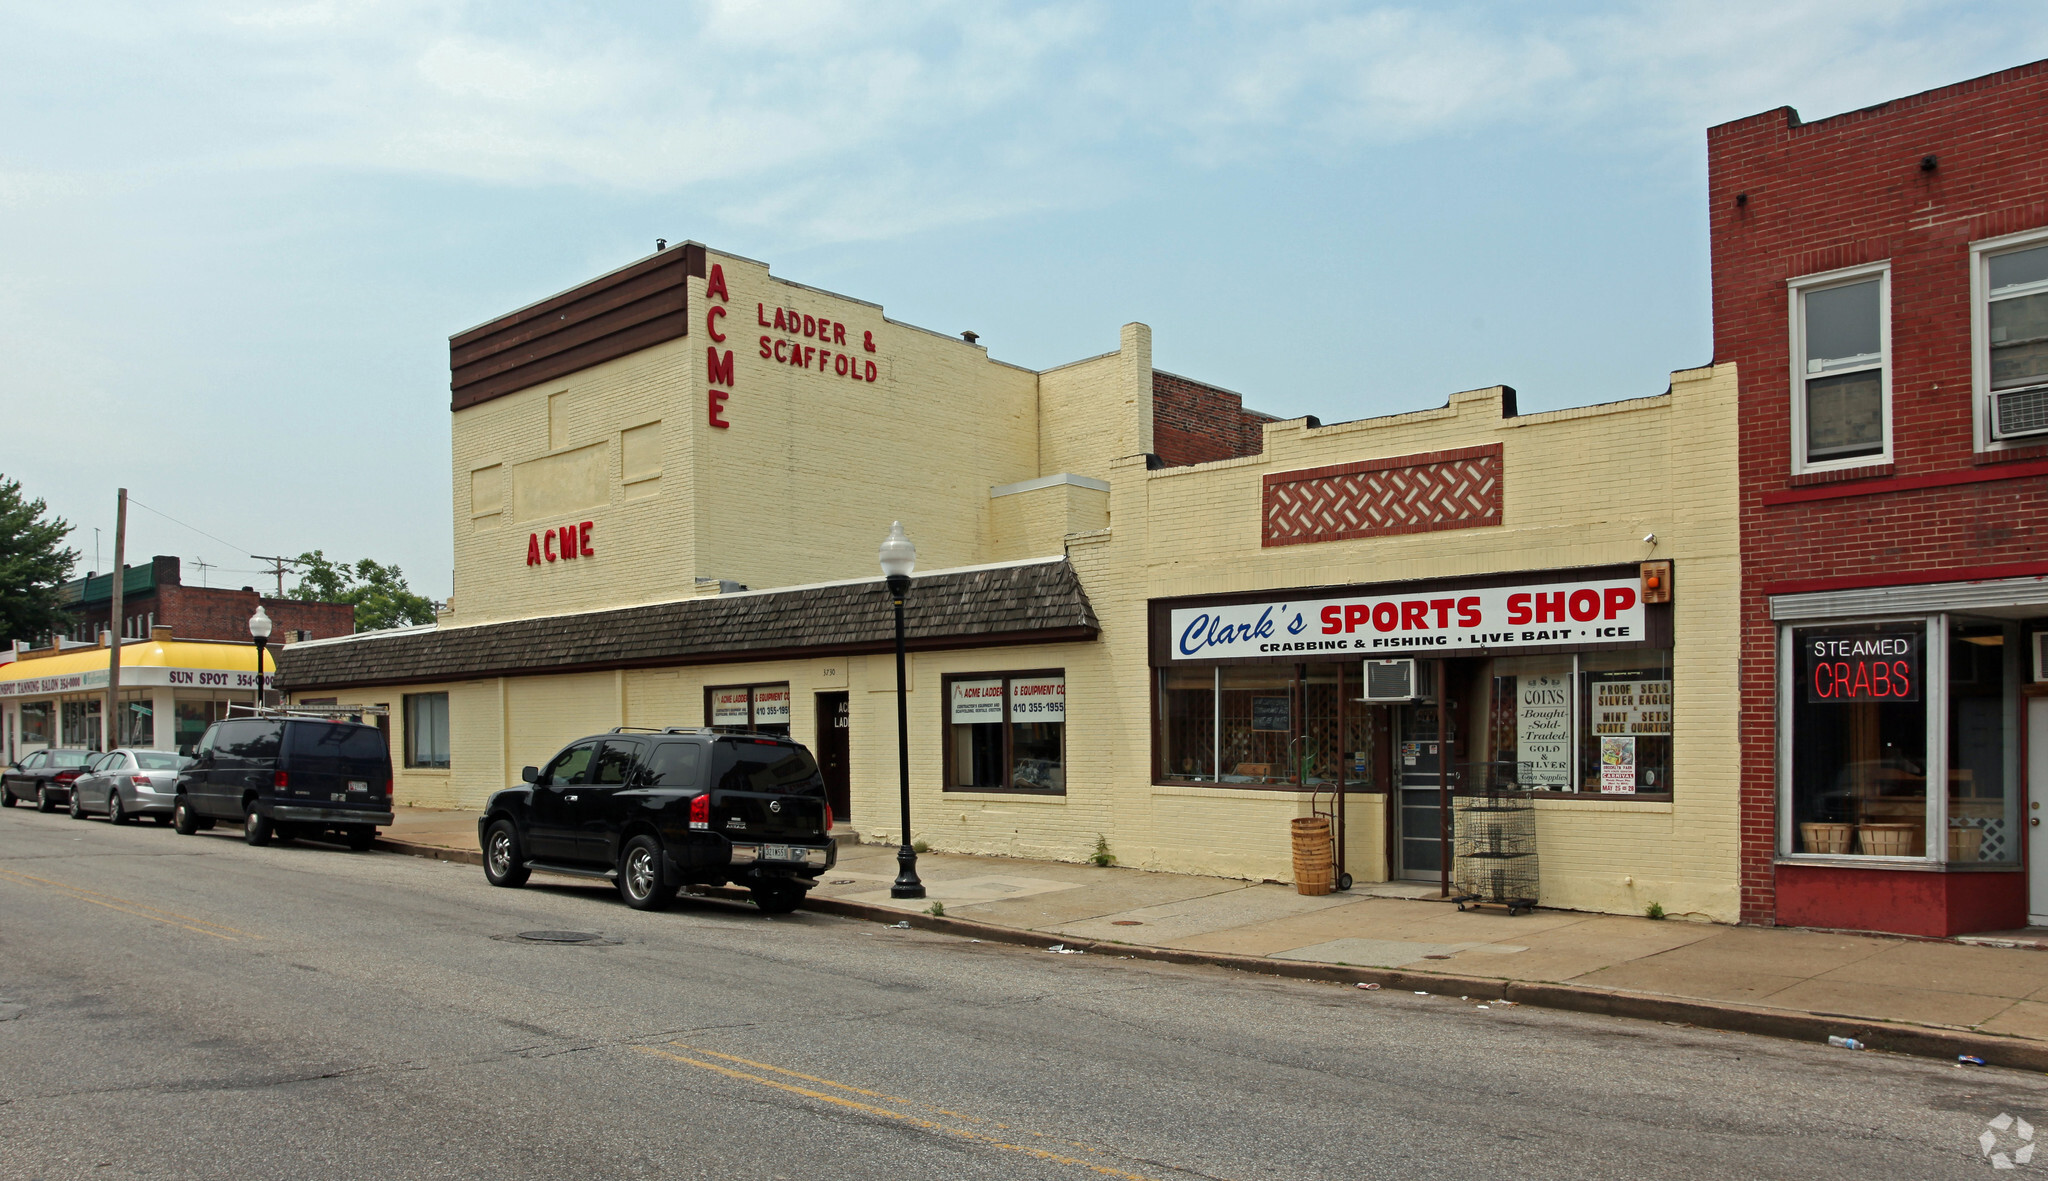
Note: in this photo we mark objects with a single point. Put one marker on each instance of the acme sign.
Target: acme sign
(1604, 612)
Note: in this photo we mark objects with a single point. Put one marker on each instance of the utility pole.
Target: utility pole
(110, 717)
(278, 565)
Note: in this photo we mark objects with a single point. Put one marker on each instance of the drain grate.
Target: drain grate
(561, 936)
(1126, 922)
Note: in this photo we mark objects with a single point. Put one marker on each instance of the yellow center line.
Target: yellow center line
(169, 918)
(872, 1109)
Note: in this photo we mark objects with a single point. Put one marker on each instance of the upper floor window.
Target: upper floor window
(1841, 386)
(2012, 331)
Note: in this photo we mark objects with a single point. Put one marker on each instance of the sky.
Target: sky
(235, 237)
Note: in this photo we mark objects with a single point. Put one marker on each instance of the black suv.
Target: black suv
(287, 777)
(657, 810)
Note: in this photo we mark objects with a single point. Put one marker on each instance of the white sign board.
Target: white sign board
(1582, 614)
(976, 702)
(771, 705)
(1543, 731)
(1038, 699)
(729, 707)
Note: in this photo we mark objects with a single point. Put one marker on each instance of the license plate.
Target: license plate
(777, 853)
(358, 785)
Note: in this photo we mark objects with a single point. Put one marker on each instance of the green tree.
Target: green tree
(378, 592)
(33, 565)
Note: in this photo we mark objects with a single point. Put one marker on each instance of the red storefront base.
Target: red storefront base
(1901, 901)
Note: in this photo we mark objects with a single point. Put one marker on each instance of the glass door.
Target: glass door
(1418, 755)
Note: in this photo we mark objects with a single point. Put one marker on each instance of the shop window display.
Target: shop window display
(1625, 735)
(80, 722)
(36, 729)
(137, 721)
(1983, 755)
(1530, 715)
(1006, 732)
(763, 709)
(1859, 740)
(1265, 724)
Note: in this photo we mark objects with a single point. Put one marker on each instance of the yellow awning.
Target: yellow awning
(182, 664)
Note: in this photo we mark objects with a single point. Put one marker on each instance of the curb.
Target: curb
(1891, 1036)
(1895, 1037)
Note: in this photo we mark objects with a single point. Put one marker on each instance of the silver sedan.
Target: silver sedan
(126, 783)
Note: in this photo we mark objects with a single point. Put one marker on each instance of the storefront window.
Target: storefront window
(193, 719)
(1006, 732)
(1266, 724)
(1187, 705)
(1983, 754)
(35, 723)
(1859, 740)
(1625, 739)
(137, 721)
(763, 709)
(1531, 722)
(81, 722)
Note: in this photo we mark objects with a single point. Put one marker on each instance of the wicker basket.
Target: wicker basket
(1886, 840)
(1965, 842)
(1313, 874)
(1825, 838)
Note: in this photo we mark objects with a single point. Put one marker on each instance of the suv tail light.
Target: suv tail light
(280, 780)
(828, 816)
(700, 811)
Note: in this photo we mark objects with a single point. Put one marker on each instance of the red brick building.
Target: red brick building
(155, 596)
(1881, 280)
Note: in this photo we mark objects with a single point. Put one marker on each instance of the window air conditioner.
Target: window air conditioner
(1391, 680)
(2015, 413)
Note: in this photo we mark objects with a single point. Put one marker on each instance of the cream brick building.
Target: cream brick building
(671, 483)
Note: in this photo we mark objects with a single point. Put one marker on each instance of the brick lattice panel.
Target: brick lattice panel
(1406, 494)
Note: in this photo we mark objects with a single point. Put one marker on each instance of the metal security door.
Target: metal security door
(1417, 756)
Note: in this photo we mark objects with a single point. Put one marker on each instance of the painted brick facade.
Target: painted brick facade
(1380, 497)
(215, 613)
(1196, 423)
(1790, 199)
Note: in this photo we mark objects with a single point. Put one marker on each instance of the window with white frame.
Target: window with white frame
(1841, 387)
(2012, 357)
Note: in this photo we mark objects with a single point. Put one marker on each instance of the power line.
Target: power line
(278, 564)
(194, 528)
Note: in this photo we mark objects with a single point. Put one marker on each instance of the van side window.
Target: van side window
(674, 764)
(206, 742)
(250, 741)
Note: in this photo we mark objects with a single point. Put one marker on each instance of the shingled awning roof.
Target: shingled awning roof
(1030, 602)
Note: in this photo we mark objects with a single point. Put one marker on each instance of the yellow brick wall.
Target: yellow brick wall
(1094, 412)
(1034, 524)
(642, 532)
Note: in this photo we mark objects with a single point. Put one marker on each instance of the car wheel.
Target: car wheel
(504, 860)
(43, 801)
(72, 806)
(256, 827)
(359, 840)
(777, 897)
(6, 797)
(114, 813)
(182, 818)
(643, 875)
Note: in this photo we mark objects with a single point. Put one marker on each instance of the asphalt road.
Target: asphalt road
(191, 1007)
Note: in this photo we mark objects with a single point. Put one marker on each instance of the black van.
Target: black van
(288, 777)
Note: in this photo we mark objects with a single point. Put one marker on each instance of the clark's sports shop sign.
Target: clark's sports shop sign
(1415, 619)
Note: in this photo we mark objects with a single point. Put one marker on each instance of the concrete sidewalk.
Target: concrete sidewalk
(1948, 986)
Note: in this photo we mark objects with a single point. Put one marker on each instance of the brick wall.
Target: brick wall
(216, 613)
(1196, 423)
(1836, 193)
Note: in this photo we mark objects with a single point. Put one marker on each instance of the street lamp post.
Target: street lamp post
(899, 558)
(259, 630)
